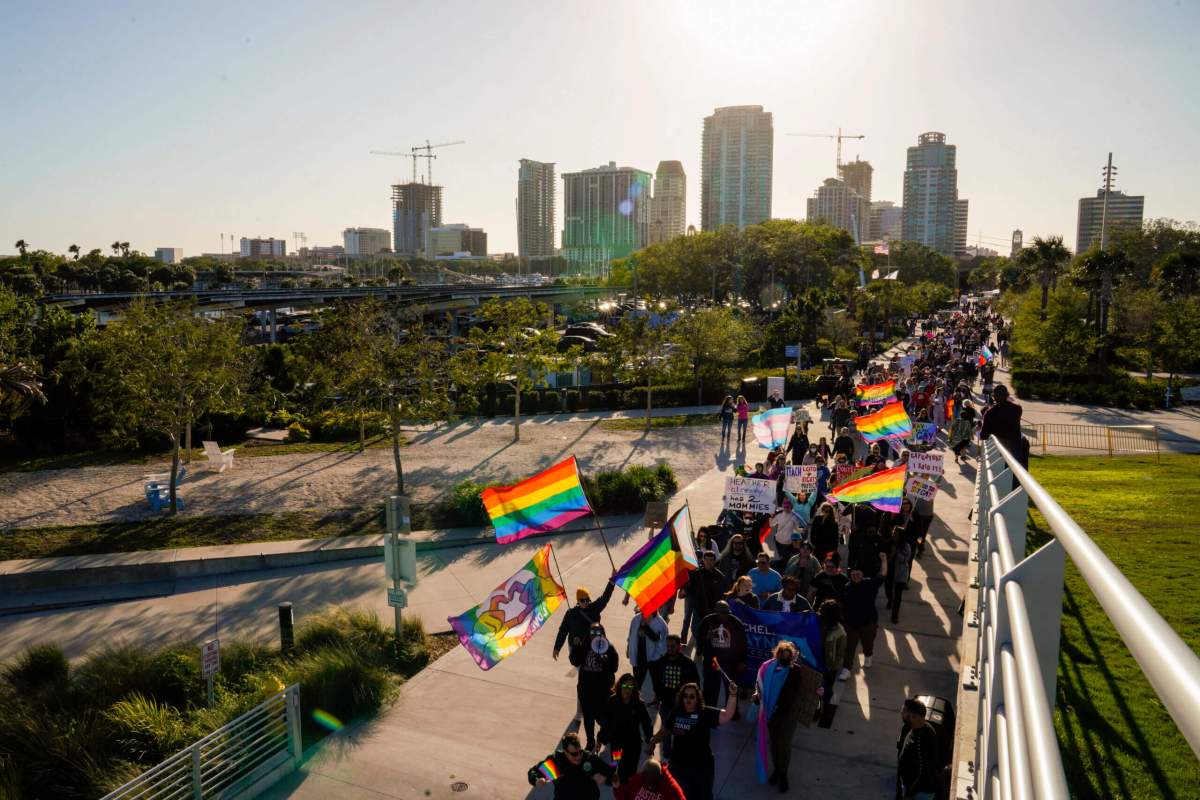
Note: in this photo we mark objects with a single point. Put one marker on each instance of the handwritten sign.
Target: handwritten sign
(920, 489)
(924, 432)
(755, 495)
(926, 463)
(800, 478)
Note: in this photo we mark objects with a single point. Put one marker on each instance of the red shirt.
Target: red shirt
(636, 788)
(920, 399)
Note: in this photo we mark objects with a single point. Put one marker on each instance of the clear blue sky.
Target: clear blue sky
(165, 124)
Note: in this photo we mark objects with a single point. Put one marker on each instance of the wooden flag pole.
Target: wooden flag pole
(592, 509)
(566, 592)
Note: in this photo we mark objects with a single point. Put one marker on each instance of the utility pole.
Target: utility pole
(1106, 277)
(1108, 176)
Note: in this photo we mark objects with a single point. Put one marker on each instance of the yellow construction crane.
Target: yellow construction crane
(838, 136)
(428, 154)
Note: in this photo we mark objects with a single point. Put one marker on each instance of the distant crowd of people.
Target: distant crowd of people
(809, 555)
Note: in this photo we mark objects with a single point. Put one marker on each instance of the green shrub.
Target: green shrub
(529, 402)
(352, 629)
(297, 433)
(338, 681)
(175, 677)
(465, 504)
(338, 425)
(595, 401)
(551, 402)
(572, 397)
(113, 673)
(147, 730)
(42, 668)
(240, 658)
(628, 491)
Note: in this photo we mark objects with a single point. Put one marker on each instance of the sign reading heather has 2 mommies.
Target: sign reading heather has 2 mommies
(756, 495)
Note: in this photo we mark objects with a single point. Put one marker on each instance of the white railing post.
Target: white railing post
(197, 785)
(292, 713)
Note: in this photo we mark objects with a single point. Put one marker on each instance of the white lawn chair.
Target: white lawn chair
(218, 458)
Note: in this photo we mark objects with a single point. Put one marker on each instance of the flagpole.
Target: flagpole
(563, 580)
(596, 518)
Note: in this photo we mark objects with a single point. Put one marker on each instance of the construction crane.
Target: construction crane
(413, 156)
(838, 136)
(428, 154)
(299, 237)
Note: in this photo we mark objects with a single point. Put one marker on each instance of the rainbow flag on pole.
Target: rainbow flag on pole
(889, 422)
(875, 393)
(656, 572)
(511, 614)
(542, 503)
(771, 427)
(883, 490)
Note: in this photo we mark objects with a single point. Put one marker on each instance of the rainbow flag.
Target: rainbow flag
(511, 614)
(771, 427)
(889, 422)
(548, 770)
(660, 567)
(542, 503)
(883, 490)
(874, 393)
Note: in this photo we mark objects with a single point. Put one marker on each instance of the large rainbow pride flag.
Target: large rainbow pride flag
(656, 572)
(889, 422)
(883, 490)
(874, 393)
(511, 614)
(542, 503)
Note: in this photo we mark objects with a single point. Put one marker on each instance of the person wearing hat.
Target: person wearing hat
(597, 672)
(577, 622)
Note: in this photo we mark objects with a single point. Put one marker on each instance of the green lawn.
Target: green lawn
(1116, 737)
(677, 421)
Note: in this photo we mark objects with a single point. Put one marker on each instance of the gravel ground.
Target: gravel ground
(434, 461)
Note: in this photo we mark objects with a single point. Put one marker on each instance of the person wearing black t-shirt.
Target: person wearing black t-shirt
(580, 773)
(689, 725)
(624, 725)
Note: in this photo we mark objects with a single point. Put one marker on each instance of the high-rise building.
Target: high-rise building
(960, 227)
(535, 209)
(606, 214)
(668, 217)
(263, 248)
(736, 157)
(1123, 210)
(169, 255)
(842, 207)
(361, 242)
(1018, 243)
(416, 207)
(931, 193)
(455, 239)
(857, 175)
(886, 219)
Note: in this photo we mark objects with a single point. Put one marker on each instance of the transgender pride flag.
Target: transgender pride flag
(771, 427)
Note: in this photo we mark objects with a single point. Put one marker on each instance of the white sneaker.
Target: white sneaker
(866, 662)
(844, 674)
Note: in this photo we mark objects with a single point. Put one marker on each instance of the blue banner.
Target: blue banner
(765, 629)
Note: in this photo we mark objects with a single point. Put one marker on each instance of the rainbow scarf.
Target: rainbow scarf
(889, 422)
(548, 769)
(660, 567)
(875, 393)
(539, 504)
(883, 490)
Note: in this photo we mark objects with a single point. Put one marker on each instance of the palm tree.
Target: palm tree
(116, 248)
(124, 248)
(21, 246)
(74, 250)
(1045, 258)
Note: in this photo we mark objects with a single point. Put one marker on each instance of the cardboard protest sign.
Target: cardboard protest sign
(800, 478)
(756, 495)
(920, 488)
(926, 463)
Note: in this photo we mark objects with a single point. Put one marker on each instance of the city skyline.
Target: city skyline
(173, 157)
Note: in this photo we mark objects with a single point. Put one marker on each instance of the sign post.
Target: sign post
(399, 553)
(210, 663)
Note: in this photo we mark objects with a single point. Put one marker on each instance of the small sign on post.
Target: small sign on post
(210, 663)
(397, 598)
(656, 514)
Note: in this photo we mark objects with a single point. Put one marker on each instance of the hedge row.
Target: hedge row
(1114, 389)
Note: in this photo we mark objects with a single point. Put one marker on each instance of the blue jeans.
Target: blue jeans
(726, 426)
(742, 430)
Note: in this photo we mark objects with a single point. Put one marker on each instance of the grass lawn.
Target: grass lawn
(1116, 737)
(677, 421)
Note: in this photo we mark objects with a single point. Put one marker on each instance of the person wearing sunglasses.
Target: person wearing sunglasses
(581, 773)
(624, 725)
(578, 621)
(689, 725)
(668, 675)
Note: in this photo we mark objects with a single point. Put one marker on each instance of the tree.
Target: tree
(709, 341)
(163, 367)
(798, 323)
(513, 345)
(74, 250)
(21, 246)
(1175, 334)
(1177, 274)
(636, 354)
(116, 248)
(1043, 259)
(917, 263)
(19, 387)
(1062, 341)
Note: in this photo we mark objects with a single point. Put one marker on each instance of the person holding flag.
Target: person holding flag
(787, 696)
(578, 621)
(577, 774)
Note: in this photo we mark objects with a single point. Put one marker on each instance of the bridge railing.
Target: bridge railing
(237, 760)
(1017, 753)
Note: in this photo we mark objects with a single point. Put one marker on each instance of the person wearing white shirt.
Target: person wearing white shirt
(783, 525)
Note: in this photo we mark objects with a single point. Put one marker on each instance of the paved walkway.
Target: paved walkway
(434, 460)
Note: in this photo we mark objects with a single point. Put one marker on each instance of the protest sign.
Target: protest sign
(756, 495)
(920, 488)
(926, 463)
(774, 386)
(924, 432)
(800, 478)
(765, 629)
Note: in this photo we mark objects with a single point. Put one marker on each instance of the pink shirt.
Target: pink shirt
(743, 411)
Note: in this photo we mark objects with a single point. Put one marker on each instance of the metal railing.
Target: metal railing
(1015, 673)
(1111, 439)
(237, 760)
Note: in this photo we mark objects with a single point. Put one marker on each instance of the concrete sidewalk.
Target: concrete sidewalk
(456, 724)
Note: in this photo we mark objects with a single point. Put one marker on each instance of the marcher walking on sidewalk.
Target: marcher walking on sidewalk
(578, 621)
(689, 725)
(624, 725)
(917, 748)
(581, 773)
(743, 418)
(654, 782)
(668, 675)
(647, 644)
(727, 412)
(595, 681)
(862, 617)
(786, 694)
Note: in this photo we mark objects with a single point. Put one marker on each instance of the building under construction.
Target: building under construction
(416, 207)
